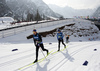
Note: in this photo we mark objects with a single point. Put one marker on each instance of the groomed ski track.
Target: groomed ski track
(57, 60)
(70, 59)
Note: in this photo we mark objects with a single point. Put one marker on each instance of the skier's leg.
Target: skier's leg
(37, 49)
(63, 43)
(58, 45)
(66, 40)
(42, 46)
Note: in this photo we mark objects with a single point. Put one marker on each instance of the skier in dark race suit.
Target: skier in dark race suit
(60, 39)
(38, 43)
(67, 38)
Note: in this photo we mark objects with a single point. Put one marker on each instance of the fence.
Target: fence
(19, 29)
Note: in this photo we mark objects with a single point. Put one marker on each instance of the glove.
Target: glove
(37, 42)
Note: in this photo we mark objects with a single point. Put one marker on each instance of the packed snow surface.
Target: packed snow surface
(71, 59)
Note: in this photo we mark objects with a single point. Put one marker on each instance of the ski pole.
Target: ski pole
(43, 54)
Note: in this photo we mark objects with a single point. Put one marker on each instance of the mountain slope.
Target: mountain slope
(44, 8)
(97, 12)
(4, 10)
(70, 12)
(21, 8)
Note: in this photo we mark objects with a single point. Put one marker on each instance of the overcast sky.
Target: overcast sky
(76, 4)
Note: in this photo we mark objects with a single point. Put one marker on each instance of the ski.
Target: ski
(46, 56)
(60, 50)
(40, 60)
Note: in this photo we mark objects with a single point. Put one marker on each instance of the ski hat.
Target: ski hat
(34, 30)
(59, 30)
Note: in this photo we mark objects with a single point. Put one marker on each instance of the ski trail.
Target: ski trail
(70, 56)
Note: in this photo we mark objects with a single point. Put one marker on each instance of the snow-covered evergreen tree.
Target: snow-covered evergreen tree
(4, 9)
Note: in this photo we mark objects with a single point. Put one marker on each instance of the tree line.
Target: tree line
(37, 17)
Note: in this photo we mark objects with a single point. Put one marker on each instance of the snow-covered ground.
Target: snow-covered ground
(5, 22)
(71, 59)
(6, 19)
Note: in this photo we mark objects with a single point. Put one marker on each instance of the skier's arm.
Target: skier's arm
(30, 36)
(34, 42)
(40, 38)
(62, 35)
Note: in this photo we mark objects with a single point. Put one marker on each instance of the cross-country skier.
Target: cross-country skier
(38, 43)
(60, 39)
(67, 38)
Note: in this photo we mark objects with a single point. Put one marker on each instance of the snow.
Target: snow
(71, 59)
(5, 21)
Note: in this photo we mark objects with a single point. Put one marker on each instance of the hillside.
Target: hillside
(4, 9)
(69, 12)
(19, 9)
(97, 13)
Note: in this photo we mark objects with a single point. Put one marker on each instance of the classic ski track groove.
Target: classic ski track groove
(17, 59)
(74, 52)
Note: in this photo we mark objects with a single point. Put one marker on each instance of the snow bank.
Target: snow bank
(6, 19)
(81, 29)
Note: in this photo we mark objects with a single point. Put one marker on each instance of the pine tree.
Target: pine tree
(38, 17)
(61, 18)
(22, 18)
(44, 17)
(4, 9)
(30, 17)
